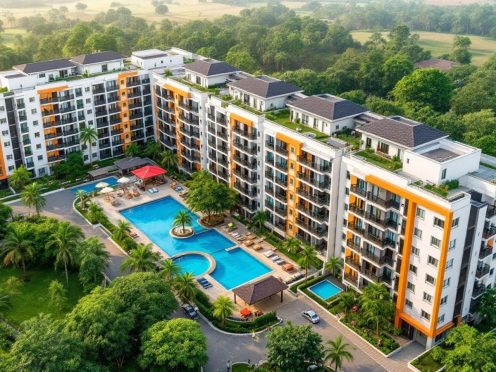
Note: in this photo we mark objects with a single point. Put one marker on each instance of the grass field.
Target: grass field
(8, 37)
(32, 298)
(438, 43)
(180, 11)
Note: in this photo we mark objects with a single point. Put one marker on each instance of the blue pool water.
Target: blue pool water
(325, 289)
(89, 187)
(233, 268)
(193, 263)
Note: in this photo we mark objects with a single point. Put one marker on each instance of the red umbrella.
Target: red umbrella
(245, 312)
(148, 171)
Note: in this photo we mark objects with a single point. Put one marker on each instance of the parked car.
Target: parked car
(190, 311)
(311, 316)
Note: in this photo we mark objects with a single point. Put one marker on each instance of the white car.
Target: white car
(311, 316)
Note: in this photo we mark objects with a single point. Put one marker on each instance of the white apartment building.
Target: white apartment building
(410, 208)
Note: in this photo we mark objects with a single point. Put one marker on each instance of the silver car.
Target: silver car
(311, 316)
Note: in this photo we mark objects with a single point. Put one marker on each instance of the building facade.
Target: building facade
(400, 202)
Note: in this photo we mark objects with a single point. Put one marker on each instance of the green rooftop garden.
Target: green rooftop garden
(213, 90)
(282, 117)
(346, 136)
(381, 161)
(441, 190)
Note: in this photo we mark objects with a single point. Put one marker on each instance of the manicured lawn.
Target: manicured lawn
(378, 160)
(482, 48)
(32, 298)
(241, 368)
(352, 140)
(426, 363)
(282, 117)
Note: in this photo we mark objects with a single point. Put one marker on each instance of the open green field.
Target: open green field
(32, 296)
(180, 11)
(439, 43)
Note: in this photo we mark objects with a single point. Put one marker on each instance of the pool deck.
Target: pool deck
(270, 304)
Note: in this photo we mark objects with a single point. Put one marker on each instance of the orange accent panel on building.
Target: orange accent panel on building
(3, 168)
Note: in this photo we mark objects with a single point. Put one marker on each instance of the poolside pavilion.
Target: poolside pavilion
(255, 292)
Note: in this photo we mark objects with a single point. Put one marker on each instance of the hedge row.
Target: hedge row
(206, 308)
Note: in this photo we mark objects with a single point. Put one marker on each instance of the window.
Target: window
(444, 300)
(38, 146)
(432, 261)
(455, 222)
(40, 157)
(3, 121)
(440, 319)
(449, 264)
(452, 244)
(435, 241)
(10, 157)
(31, 99)
(438, 222)
(5, 133)
(33, 111)
(415, 251)
(35, 123)
(6, 144)
(425, 315)
(411, 286)
(427, 297)
(446, 282)
(443, 174)
(417, 233)
(420, 213)
(413, 269)
(37, 135)
(429, 279)
(408, 303)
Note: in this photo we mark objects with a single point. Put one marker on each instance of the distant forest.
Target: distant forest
(315, 54)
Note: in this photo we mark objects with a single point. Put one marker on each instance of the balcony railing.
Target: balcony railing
(485, 251)
(488, 232)
(353, 263)
(282, 150)
(478, 290)
(321, 184)
(356, 209)
(353, 245)
(351, 279)
(316, 198)
(246, 148)
(245, 176)
(380, 260)
(358, 190)
(482, 270)
(311, 164)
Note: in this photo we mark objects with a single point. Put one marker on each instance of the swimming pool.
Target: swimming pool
(234, 267)
(325, 289)
(195, 264)
(90, 187)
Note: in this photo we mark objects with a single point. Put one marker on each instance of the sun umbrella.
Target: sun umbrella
(245, 312)
(106, 190)
(101, 185)
(123, 180)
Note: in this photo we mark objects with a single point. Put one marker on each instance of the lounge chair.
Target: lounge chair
(268, 254)
(275, 258)
(257, 247)
(249, 243)
(258, 241)
(251, 236)
(280, 261)
(235, 234)
(288, 267)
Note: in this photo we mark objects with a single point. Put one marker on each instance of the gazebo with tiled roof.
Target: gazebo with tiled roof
(252, 293)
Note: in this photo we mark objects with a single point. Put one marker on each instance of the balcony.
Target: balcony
(313, 181)
(245, 190)
(358, 190)
(379, 260)
(356, 209)
(317, 231)
(190, 132)
(245, 134)
(353, 245)
(282, 150)
(356, 228)
(246, 148)
(488, 232)
(245, 176)
(315, 198)
(191, 156)
(478, 290)
(269, 173)
(191, 121)
(382, 202)
(353, 263)
(311, 164)
(269, 190)
(485, 251)
(280, 182)
(281, 210)
(491, 211)
(281, 196)
(252, 164)
(351, 279)
(482, 270)
(282, 166)
(270, 144)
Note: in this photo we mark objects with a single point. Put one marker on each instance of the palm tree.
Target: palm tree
(376, 304)
(20, 178)
(152, 149)
(122, 230)
(182, 219)
(132, 150)
(140, 259)
(170, 270)
(169, 160)
(95, 212)
(292, 245)
(5, 303)
(258, 220)
(334, 265)
(223, 308)
(66, 240)
(308, 254)
(93, 259)
(185, 286)
(88, 135)
(337, 351)
(32, 198)
(348, 300)
(81, 196)
(16, 249)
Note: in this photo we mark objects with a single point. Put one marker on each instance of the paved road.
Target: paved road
(222, 347)
(59, 205)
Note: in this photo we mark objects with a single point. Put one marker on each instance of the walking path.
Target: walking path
(223, 347)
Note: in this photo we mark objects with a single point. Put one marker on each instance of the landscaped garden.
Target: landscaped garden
(283, 117)
(381, 161)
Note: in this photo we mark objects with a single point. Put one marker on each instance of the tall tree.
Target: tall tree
(32, 197)
(152, 150)
(174, 345)
(88, 135)
(170, 270)
(223, 308)
(20, 178)
(182, 219)
(336, 351)
(122, 230)
(93, 260)
(376, 304)
(169, 160)
(292, 245)
(141, 259)
(66, 240)
(16, 248)
(132, 150)
(185, 286)
(57, 295)
(460, 51)
(258, 220)
(81, 196)
(294, 348)
(308, 254)
(334, 265)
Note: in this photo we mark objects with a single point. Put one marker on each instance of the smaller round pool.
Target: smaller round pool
(195, 264)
